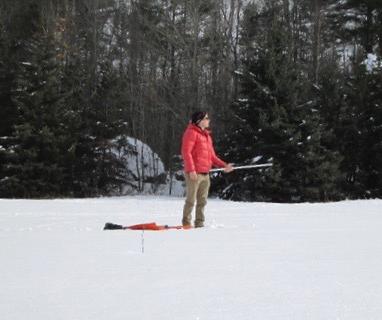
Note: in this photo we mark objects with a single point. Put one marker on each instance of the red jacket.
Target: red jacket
(197, 150)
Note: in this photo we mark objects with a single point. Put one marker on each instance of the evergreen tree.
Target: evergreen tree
(108, 129)
(38, 134)
(8, 112)
(279, 115)
(94, 111)
(360, 131)
(24, 84)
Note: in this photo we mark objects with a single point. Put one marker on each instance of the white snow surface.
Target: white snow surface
(251, 261)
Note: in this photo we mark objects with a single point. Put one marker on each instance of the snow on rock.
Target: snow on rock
(144, 159)
(346, 53)
(144, 170)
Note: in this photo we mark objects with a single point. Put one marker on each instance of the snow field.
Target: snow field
(252, 261)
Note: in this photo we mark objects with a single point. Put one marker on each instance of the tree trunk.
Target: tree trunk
(235, 51)
(379, 30)
(369, 30)
(317, 39)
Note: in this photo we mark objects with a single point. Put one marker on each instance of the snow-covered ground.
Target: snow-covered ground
(252, 261)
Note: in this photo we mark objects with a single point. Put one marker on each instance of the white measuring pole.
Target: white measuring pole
(245, 167)
(143, 241)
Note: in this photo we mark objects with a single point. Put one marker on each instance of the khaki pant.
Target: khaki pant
(196, 191)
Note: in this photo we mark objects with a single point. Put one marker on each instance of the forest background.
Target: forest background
(296, 83)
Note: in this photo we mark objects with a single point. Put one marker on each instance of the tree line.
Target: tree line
(295, 83)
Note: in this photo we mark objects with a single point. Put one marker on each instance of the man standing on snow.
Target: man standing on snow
(199, 156)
